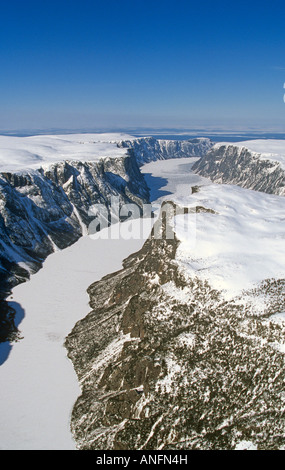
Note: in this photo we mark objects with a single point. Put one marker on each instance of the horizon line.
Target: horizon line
(179, 131)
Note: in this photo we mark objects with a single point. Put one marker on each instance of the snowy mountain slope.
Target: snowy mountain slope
(184, 347)
(268, 149)
(258, 165)
(165, 361)
(48, 183)
(47, 209)
(148, 149)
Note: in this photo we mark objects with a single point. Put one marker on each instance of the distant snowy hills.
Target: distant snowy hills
(32, 153)
(25, 153)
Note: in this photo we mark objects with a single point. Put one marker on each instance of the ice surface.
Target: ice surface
(38, 382)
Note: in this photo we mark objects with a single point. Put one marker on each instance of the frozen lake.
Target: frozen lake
(38, 383)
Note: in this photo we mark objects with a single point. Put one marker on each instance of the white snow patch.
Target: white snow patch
(166, 384)
(111, 352)
(246, 445)
(177, 293)
(241, 244)
(278, 317)
(84, 228)
(155, 280)
(186, 340)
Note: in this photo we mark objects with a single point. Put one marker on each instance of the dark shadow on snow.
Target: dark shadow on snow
(6, 346)
(155, 183)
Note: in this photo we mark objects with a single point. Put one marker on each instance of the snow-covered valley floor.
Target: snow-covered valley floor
(38, 383)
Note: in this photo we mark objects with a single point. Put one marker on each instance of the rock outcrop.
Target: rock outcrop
(164, 362)
(148, 149)
(230, 164)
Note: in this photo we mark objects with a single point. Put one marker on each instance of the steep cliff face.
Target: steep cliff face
(148, 149)
(47, 209)
(226, 163)
(164, 362)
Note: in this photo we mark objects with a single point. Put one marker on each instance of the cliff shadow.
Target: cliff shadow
(155, 185)
(6, 346)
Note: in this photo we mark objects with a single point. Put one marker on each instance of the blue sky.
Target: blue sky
(119, 64)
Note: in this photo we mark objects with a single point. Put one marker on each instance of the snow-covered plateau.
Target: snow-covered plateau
(182, 344)
(21, 154)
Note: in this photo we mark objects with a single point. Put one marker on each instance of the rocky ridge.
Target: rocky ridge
(148, 149)
(230, 164)
(164, 362)
(49, 209)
